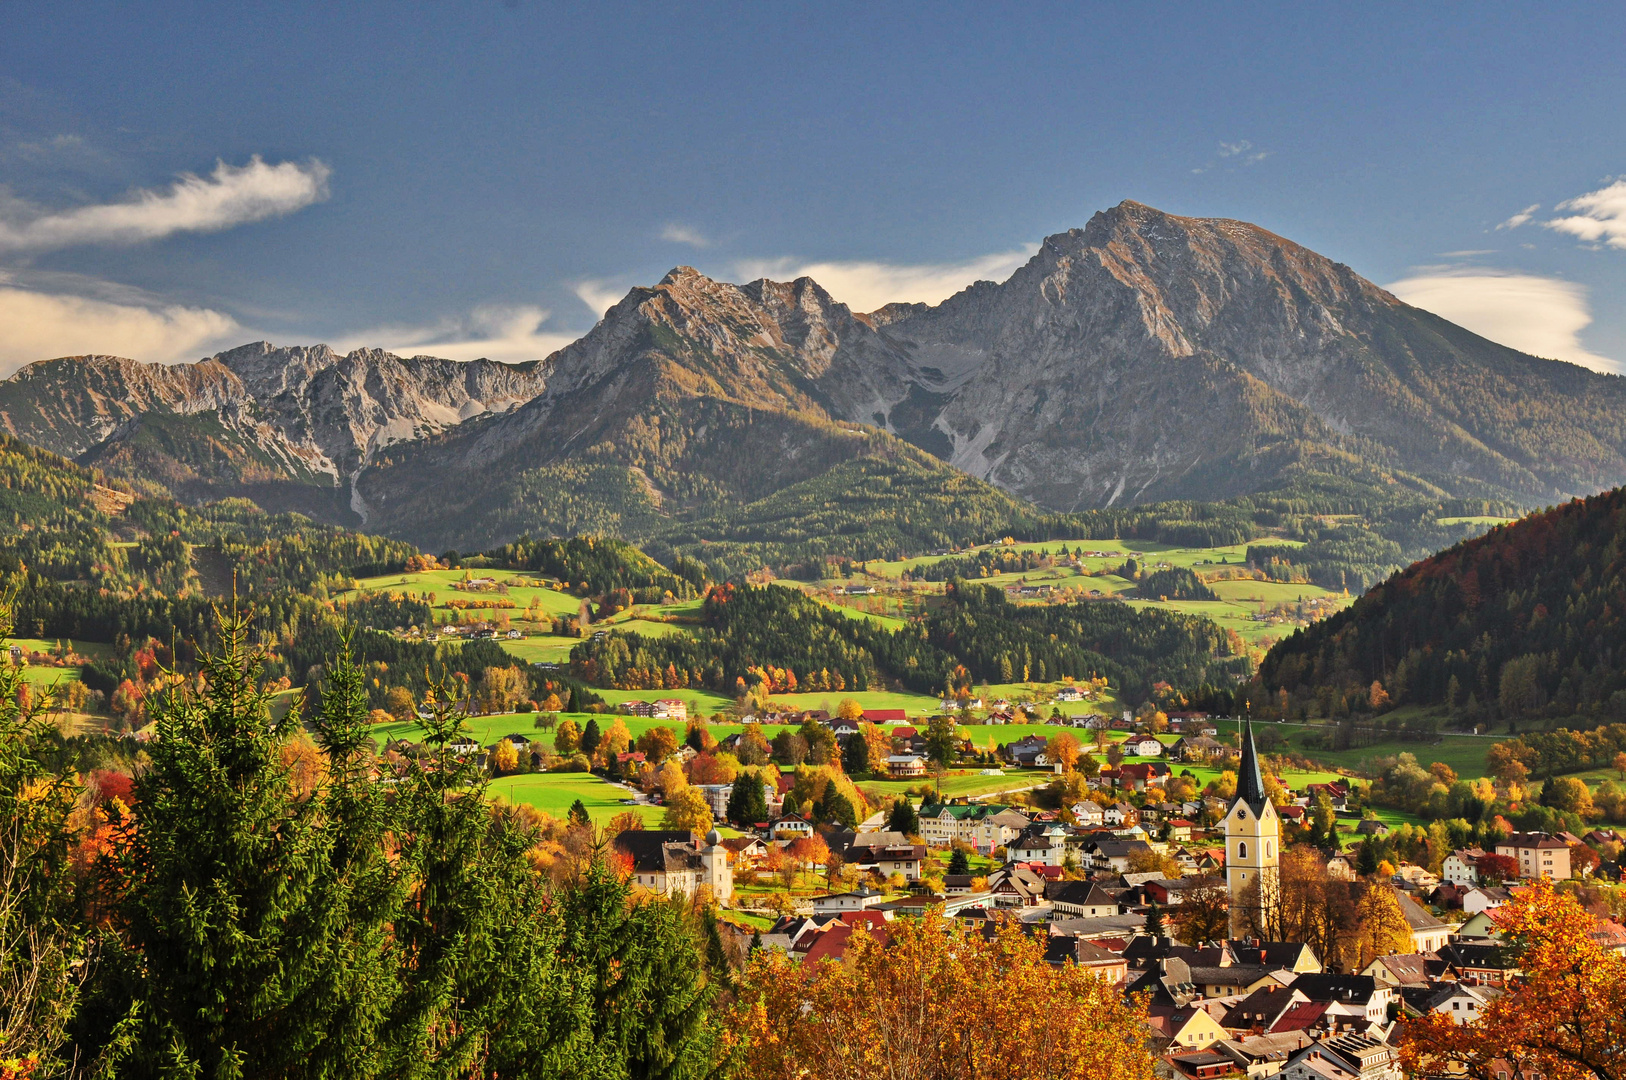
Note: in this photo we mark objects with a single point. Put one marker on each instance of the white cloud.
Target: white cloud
(229, 196)
(1521, 217)
(1538, 315)
(865, 286)
(1233, 149)
(684, 234)
(1601, 216)
(42, 325)
(508, 332)
(599, 295)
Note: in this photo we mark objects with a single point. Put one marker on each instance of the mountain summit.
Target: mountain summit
(1144, 357)
(1148, 356)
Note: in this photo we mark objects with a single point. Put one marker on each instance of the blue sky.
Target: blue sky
(480, 178)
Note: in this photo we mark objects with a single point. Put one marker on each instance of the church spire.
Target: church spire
(1250, 783)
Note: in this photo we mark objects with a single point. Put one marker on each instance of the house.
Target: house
(1086, 899)
(1144, 746)
(1195, 748)
(745, 850)
(677, 862)
(1479, 928)
(1341, 868)
(1088, 814)
(790, 827)
(1120, 814)
(1109, 967)
(1017, 885)
(985, 826)
(905, 859)
(1371, 827)
(1137, 775)
(1261, 1011)
(1359, 997)
(1070, 693)
(1353, 1055)
(1189, 1026)
(1461, 867)
(1539, 855)
(1428, 933)
(1462, 1002)
(1400, 969)
(1044, 848)
(1483, 962)
(905, 765)
(1485, 898)
(888, 716)
(1114, 855)
(841, 729)
(1029, 752)
(1180, 830)
(859, 899)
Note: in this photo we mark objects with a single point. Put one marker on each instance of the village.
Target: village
(1158, 888)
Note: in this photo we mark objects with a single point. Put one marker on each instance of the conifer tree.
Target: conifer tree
(855, 756)
(747, 803)
(959, 863)
(223, 891)
(1154, 921)
(903, 818)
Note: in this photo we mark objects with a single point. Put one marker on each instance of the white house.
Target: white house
(1144, 746)
(1485, 898)
(1461, 867)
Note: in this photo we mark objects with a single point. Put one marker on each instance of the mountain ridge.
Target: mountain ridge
(1143, 358)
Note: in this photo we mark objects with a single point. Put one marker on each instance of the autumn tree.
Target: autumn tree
(689, 810)
(1381, 928)
(567, 737)
(504, 757)
(1063, 747)
(1493, 868)
(1566, 1017)
(849, 710)
(657, 744)
(895, 1006)
(1203, 914)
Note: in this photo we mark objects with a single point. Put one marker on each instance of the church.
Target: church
(1253, 840)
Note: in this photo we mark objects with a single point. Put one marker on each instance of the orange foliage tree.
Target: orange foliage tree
(898, 1009)
(1564, 1018)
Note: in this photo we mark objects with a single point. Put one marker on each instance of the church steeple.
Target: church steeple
(1250, 783)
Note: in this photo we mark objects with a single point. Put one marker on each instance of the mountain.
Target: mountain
(1526, 624)
(288, 426)
(1148, 356)
(1141, 359)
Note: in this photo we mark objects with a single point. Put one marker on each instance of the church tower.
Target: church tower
(1253, 839)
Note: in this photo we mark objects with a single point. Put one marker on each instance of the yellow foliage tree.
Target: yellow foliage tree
(1564, 1020)
(897, 1007)
(504, 757)
(689, 810)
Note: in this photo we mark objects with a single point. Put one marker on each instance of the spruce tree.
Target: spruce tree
(227, 933)
(590, 737)
(1154, 921)
(747, 802)
(959, 863)
(855, 756)
(903, 818)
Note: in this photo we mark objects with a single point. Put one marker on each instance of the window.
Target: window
(1242, 849)
(1267, 849)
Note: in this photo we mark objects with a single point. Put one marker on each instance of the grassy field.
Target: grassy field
(552, 793)
(1464, 753)
(962, 782)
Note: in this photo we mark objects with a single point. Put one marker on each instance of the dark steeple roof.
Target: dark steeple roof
(1250, 784)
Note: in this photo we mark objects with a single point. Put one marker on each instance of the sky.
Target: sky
(484, 179)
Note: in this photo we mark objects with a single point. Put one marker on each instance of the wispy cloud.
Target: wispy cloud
(1538, 315)
(231, 195)
(1599, 218)
(1232, 154)
(508, 332)
(677, 233)
(865, 286)
(1467, 254)
(40, 325)
(1521, 217)
(599, 295)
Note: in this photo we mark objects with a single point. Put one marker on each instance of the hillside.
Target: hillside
(1521, 626)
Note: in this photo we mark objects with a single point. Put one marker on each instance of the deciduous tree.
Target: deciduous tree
(1566, 1017)
(897, 1007)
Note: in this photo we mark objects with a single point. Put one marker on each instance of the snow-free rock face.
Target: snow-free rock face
(1148, 356)
(319, 413)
